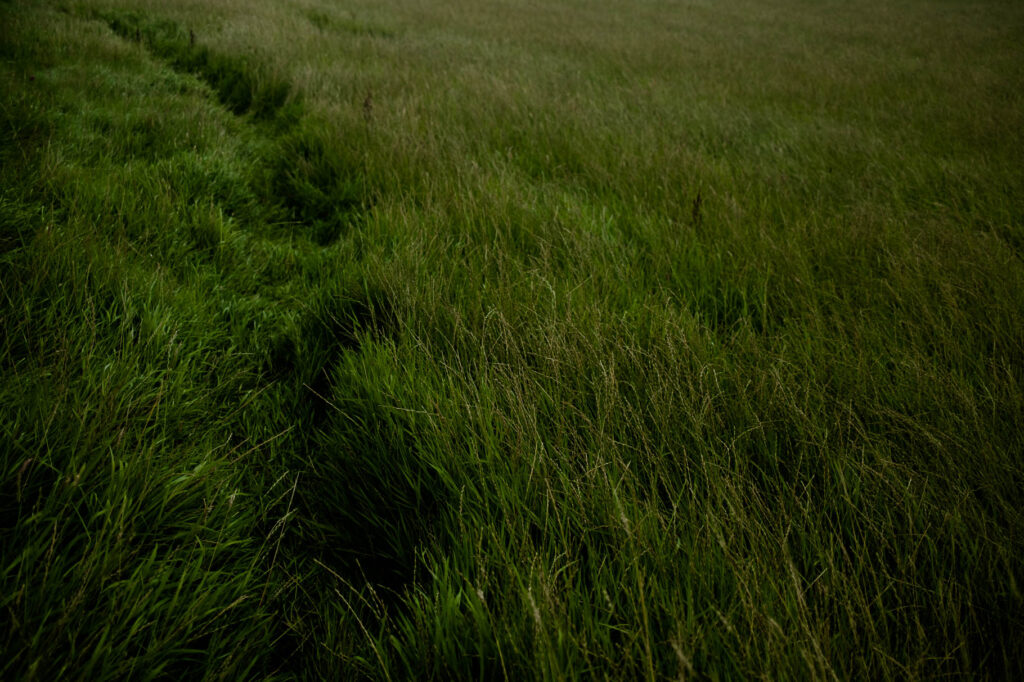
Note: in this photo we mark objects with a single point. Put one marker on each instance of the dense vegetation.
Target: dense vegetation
(511, 340)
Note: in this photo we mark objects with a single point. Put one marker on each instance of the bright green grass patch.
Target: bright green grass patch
(580, 341)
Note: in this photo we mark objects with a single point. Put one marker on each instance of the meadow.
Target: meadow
(507, 340)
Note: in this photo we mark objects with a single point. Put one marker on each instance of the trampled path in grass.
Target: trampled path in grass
(606, 340)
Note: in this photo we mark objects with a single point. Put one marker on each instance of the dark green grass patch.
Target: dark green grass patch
(321, 179)
(239, 86)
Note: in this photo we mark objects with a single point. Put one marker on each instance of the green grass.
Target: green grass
(579, 340)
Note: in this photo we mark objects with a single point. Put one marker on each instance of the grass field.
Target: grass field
(507, 340)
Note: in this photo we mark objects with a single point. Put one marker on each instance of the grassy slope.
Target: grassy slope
(498, 340)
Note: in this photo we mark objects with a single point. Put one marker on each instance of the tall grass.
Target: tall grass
(501, 341)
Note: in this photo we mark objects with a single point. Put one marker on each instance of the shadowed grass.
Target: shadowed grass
(238, 86)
